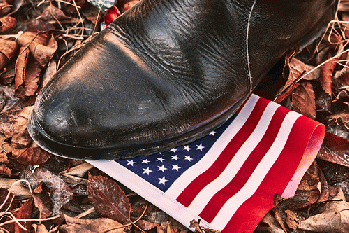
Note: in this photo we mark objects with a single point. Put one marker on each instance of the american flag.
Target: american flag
(227, 180)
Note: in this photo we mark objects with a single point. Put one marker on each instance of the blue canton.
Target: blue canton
(162, 169)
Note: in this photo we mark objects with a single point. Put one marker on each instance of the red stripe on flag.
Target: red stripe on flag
(219, 199)
(190, 192)
(247, 217)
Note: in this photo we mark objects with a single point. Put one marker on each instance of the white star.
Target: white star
(212, 133)
(187, 148)
(145, 161)
(147, 171)
(161, 159)
(188, 158)
(174, 150)
(162, 168)
(130, 163)
(175, 167)
(162, 180)
(175, 157)
(200, 147)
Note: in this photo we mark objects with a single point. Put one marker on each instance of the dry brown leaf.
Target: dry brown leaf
(24, 212)
(60, 193)
(32, 155)
(42, 200)
(40, 228)
(32, 78)
(108, 198)
(4, 7)
(5, 171)
(91, 225)
(21, 64)
(6, 199)
(41, 45)
(327, 73)
(52, 12)
(295, 69)
(335, 217)
(269, 224)
(335, 150)
(146, 225)
(8, 49)
(36, 51)
(7, 22)
(303, 99)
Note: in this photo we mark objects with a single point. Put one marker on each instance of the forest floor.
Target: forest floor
(40, 192)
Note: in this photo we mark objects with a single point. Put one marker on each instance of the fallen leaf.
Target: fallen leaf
(335, 149)
(5, 171)
(24, 212)
(146, 225)
(7, 22)
(4, 7)
(21, 192)
(8, 49)
(108, 198)
(327, 73)
(338, 124)
(21, 64)
(32, 78)
(40, 228)
(61, 193)
(6, 199)
(43, 52)
(42, 200)
(303, 99)
(91, 225)
(41, 45)
(52, 12)
(295, 70)
(269, 224)
(292, 219)
(334, 219)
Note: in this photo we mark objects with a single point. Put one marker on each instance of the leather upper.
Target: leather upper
(169, 71)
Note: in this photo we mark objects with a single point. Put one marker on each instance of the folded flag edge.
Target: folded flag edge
(292, 143)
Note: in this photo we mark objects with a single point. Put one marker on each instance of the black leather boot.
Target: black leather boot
(167, 72)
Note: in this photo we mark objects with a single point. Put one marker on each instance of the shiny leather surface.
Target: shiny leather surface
(167, 72)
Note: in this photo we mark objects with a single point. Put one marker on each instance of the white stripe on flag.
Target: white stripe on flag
(230, 207)
(188, 176)
(147, 191)
(235, 164)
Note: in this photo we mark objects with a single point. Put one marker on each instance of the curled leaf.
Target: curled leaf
(91, 225)
(303, 99)
(8, 49)
(7, 22)
(108, 198)
(32, 155)
(327, 73)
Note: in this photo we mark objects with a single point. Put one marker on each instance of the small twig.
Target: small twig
(14, 219)
(87, 212)
(27, 220)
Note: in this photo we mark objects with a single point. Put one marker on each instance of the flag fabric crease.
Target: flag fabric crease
(228, 178)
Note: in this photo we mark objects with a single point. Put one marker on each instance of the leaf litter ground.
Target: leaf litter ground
(40, 192)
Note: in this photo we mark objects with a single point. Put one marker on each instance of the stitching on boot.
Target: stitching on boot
(247, 40)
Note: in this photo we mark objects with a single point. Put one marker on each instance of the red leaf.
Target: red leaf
(25, 212)
(42, 200)
(303, 99)
(108, 198)
(327, 73)
(111, 15)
